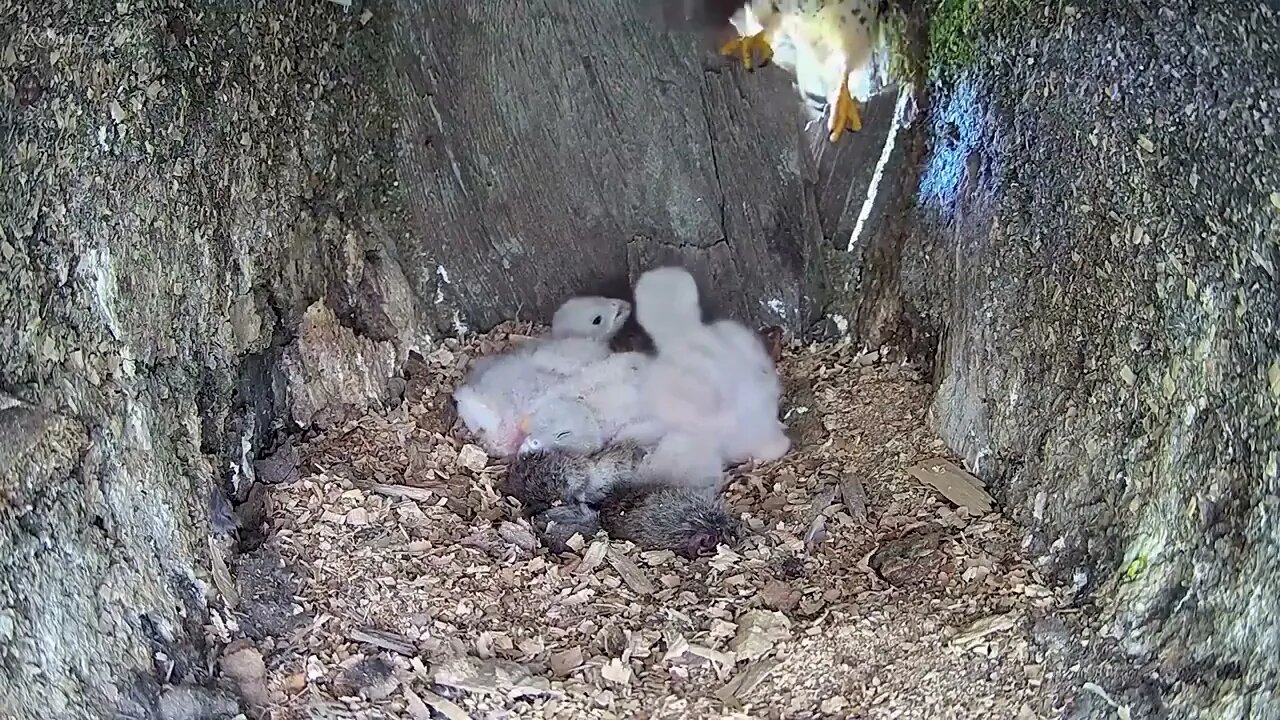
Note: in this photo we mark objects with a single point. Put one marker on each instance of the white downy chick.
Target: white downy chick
(755, 430)
(562, 423)
(710, 383)
(690, 461)
(598, 406)
(499, 391)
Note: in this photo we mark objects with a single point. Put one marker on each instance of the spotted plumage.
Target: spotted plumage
(826, 40)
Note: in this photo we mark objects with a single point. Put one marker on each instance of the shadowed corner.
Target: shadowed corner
(616, 285)
(698, 15)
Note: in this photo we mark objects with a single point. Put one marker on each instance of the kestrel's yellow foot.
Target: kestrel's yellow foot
(746, 48)
(845, 114)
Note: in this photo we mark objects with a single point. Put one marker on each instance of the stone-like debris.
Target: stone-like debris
(408, 561)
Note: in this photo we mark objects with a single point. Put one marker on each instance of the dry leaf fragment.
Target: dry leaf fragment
(724, 559)
(722, 628)
(817, 518)
(222, 577)
(983, 627)
(744, 682)
(473, 458)
(653, 558)
(630, 573)
(723, 662)
(444, 706)
(592, 558)
(955, 483)
(315, 669)
(854, 497)
(816, 534)
(676, 647)
(246, 667)
(758, 632)
(385, 640)
(440, 356)
(833, 705)
(416, 707)
(779, 595)
(518, 535)
(491, 676)
(1122, 711)
(1126, 373)
(563, 663)
(604, 698)
(405, 491)
(243, 663)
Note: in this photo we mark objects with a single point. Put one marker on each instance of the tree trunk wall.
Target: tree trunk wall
(195, 235)
(552, 148)
(1084, 251)
(221, 222)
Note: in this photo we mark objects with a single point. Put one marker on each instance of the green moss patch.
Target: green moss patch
(958, 28)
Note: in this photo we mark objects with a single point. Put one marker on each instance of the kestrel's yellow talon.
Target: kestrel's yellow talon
(745, 48)
(845, 115)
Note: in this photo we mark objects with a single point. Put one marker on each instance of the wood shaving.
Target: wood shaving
(955, 483)
(440, 573)
(630, 573)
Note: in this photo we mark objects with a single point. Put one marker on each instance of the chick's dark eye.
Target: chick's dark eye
(599, 319)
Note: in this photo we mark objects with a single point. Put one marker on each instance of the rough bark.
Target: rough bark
(550, 148)
(1086, 255)
(179, 184)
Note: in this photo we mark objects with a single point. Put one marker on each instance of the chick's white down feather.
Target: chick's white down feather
(500, 391)
(599, 405)
(710, 384)
(709, 398)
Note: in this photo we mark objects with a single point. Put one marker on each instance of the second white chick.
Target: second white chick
(594, 408)
(499, 392)
(712, 384)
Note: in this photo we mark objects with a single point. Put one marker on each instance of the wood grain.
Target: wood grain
(558, 147)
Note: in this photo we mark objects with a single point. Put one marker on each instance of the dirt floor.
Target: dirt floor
(858, 592)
